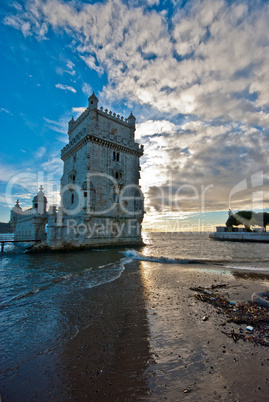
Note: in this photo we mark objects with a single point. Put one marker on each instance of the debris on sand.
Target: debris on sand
(252, 314)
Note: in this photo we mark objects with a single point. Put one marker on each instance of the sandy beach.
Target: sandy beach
(146, 340)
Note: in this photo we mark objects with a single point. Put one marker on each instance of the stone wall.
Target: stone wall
(31, 227)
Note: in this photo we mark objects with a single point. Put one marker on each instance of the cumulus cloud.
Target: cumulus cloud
(200, 77)
(66, 88)
(197, 166)
(209, 62)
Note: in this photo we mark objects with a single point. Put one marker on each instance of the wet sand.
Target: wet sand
(146, 340)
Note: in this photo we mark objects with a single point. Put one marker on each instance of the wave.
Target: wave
(134, 255)
(84, 280)
(224, 263)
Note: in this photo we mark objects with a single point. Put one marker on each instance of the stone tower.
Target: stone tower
(101, 200)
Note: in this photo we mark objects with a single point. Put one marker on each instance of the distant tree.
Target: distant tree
(246, 218)
(232, 221)
(262, 219)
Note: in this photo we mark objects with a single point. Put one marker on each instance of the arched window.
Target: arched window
(72, 198)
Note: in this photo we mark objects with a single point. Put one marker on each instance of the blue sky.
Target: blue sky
(194, 73)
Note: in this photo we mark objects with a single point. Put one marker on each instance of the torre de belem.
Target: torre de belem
(101, 201)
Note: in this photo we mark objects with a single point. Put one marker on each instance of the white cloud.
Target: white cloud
(78, 110)
(86, 89)
(91, 63)
(66, 88)
(70, 68)
(40, 152)
(154, 127)
(60, 126)
(153, 2)
(6, 111)
(54, 165)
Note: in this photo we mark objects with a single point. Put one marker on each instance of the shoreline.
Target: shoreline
(71, 247)
(148, 341)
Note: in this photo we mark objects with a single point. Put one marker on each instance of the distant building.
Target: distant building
(30, 224)
(101, 200)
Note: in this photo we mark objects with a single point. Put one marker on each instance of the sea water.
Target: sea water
(45, 299)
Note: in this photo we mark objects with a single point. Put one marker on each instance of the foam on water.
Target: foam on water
(134, 255)
(250, 264)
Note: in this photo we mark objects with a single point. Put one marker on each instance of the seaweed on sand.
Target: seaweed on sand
(247, 312)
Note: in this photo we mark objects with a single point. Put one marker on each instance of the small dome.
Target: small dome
(39, 196)
(93, 96)
(17, 206)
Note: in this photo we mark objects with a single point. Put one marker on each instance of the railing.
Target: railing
(9, 238)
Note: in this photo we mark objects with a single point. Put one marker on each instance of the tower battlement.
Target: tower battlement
(101, 198)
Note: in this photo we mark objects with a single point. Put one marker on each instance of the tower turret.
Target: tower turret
(93, 102)
(40, 202)
(71, 125)
(131, 120)
(16, 210)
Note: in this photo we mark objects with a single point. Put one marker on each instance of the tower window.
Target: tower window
(116, 156)
(91, 102)
(117, 175)
(72, 198)
(85, 193)
(115, 198)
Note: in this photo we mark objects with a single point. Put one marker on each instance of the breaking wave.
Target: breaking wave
(225, 263)
(134, 255)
